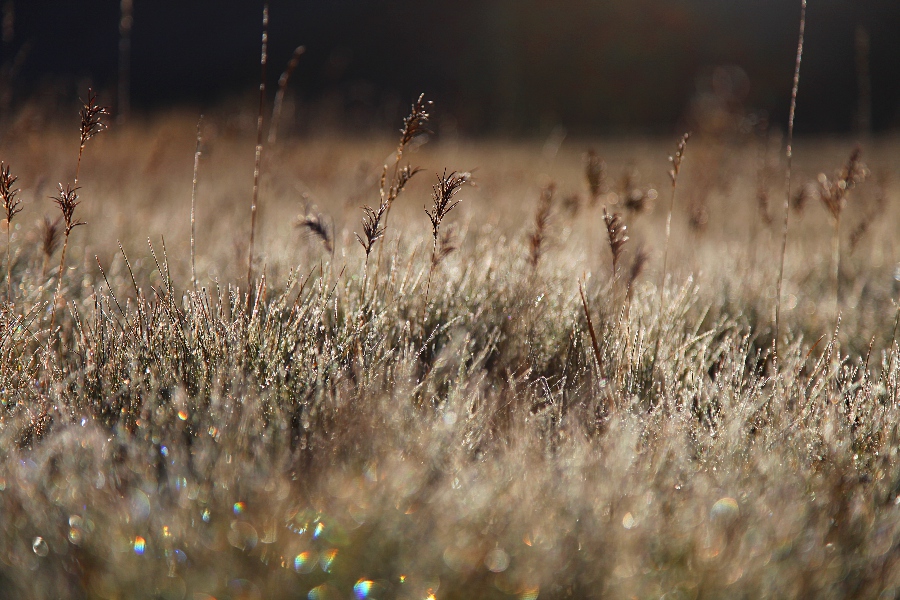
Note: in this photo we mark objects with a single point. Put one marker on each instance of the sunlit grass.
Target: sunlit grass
(384, 425)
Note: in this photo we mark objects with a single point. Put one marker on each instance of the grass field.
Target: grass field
(447, 416)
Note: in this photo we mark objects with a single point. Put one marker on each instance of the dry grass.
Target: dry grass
(370, 425)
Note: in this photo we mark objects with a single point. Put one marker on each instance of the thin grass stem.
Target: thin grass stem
(787, 197)
(257, 168)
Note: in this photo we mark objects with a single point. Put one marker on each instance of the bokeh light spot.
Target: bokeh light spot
(724, 508)
(304, 562)
(362, 589)
(327, 559)
(529, 594)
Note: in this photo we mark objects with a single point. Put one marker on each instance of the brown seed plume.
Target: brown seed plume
(9, 194)
(51, 234)
(375, 219)
(12, 207)
(447, 245)
(443, 202)
(372, 228)
(641, 258)
(833, 193)
(537, 241)
(414, 124)
(678, 158)
(595, 173)
(615, 233)
(314, 225)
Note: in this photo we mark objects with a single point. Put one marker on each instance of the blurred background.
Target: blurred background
(493, 67)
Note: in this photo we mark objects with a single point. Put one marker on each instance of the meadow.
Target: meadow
(501, 380)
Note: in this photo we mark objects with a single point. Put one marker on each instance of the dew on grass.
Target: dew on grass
(724, 509)
(243, 536)
(304, 562)
(363, 589)
(40, 546)
(529, 594)
(323, 592)
(497, 560)
(327, 558)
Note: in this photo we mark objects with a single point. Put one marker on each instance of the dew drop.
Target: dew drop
(40, 546)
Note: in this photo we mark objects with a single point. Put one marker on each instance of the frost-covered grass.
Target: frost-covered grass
(337, 436)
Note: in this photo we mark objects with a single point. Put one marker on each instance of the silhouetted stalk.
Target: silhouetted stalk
(282, 89)
(787, 196)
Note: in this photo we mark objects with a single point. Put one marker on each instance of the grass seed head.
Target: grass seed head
(414, 124)
(615, 233)
(372, 227)
(67, 200)
(447, 245)
(442, 197)
(537, 241)
(678, 158)
(595, 173)
(641, 258)
(314, 225)
(12, 204)
(806, 192)
(833, 193)
(638, 200)
(51, 235)
(91, 118)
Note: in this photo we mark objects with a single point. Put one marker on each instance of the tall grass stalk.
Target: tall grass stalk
(442, 203)
(414, 125)
(67, 198)
(194, 183)
(834, 194)
(787, 196)
(676, 161)
(263, 60)
(282, 90)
